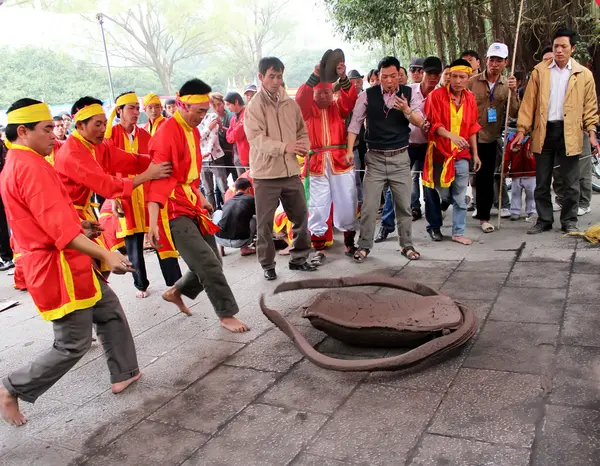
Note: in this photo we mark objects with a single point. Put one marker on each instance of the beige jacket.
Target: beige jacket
(270, 125)
(581, 107)
(478, 84)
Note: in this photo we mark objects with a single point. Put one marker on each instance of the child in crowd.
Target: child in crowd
(520, 166)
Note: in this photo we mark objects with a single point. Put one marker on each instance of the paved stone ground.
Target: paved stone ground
(526, 391)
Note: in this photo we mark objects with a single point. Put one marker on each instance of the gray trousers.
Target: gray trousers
(383, 171)
(72, 339)
(585, 176)
(205, 267)
(267, 194)
(213, 171)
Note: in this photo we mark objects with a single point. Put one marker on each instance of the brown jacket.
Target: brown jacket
(478, 85)
(581, 107)
(270, 125)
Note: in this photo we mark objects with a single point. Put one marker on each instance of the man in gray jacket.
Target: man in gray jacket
(276, 132)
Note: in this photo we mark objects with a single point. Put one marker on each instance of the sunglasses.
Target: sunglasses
(414, 69)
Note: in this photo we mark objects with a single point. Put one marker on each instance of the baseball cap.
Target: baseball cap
(497, 49)
(250, 88)
(432, 65)
(416, 63)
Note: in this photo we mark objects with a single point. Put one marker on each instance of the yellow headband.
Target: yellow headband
(30, 114)
(151, 99)
(462, 69)
(125, 99)
(194, 98)
(88, 112)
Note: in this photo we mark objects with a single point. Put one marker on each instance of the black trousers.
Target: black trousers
(484, 179)
(135, 251)
(554, 153)
(6, 253)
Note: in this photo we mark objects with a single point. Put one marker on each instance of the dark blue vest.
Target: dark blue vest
(386, 132)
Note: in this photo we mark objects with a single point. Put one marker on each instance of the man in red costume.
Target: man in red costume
(452, 113)
(131, 211)
(85, 162)
(153, 108)
(178, 142)
(330, 173)
(56, 260)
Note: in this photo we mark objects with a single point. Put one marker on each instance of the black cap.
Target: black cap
(432, 65)
(354, 74)
(416, 63)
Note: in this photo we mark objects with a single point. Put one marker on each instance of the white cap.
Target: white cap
(497, 49)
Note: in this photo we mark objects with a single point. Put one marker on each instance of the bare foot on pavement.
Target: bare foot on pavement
(173, 295)
(9, 408)
(233, 325)
(462, 240)
(120, 386)
(142, 294)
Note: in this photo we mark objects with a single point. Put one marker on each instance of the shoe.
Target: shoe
(436, 235)
(529, 217)
(539, 228)
(557, 207)
(474, 214)
(571, 228)
(505, 213)
(5, 265)
(515, 217)
(270, 274)
(304, 267)
(583, 210)
(382, 235)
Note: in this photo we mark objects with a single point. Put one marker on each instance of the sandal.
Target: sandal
(318, 259)
(411, 253)
(350, 250)
(487, 227)
(360, 255)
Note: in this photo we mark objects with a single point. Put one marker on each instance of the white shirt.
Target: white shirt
(559, 81)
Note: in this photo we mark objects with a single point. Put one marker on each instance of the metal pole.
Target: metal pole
(100, 19)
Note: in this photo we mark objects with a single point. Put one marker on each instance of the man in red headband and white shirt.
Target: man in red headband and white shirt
(331, 176)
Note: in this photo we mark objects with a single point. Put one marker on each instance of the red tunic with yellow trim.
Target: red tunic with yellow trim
(441, 111)
(135, 219)
(110, 224)
(327, 127)
(18, 276)
(152, 129)
(179, 144)
(44, 222)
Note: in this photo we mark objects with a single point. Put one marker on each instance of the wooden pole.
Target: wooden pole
(514, 60)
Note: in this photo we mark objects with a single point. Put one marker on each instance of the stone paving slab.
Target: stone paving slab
(377, 425)
(262, 434)
(490, 406)
(535, 275)
(39, 453)
(212, 401)
(544, 306)
(437, 450)
(584, 288)
(474, 285)
(569, 436)
(514, 347)
(586, 262)
(156, 445)
(577, 377)
(582, 325)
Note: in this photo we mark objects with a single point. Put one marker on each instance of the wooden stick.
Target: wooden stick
(514, 60)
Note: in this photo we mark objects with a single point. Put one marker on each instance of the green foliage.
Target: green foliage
(58, 78)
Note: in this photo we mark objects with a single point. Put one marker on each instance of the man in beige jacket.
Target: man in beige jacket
(560, 102)
(276, 132)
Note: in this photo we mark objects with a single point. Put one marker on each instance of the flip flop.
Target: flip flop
(350, 251)
(318, 259)
(487, 227)
(410, 253)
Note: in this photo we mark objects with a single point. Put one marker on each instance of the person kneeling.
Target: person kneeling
(237, 220)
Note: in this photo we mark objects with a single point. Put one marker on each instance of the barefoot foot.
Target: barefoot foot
(9, 408)
(285, 252)
(462, 240)
(233, 325)
(142, 294)
(120, 386)
(173, 295)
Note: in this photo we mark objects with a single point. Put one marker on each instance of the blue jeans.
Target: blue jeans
(417, 159)
(456, 192)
